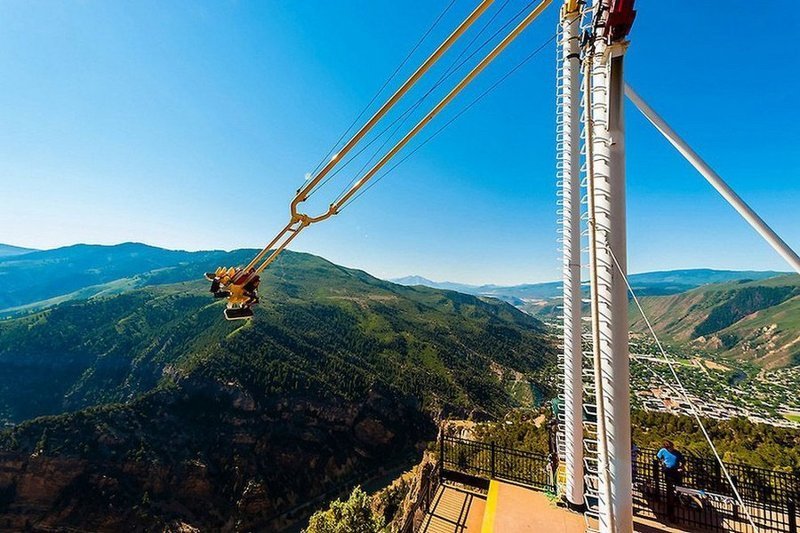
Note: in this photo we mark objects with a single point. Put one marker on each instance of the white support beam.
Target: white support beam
(569, 158)
(617, 374)
(609, 292)
(752, 218)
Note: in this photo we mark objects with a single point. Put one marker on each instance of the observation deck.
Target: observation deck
(480, 487)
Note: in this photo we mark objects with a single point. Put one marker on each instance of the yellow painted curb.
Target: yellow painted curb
(491, 508)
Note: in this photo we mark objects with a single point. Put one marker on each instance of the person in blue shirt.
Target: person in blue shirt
(672, 463)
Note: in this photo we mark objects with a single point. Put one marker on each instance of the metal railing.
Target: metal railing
(486, 461)
(702, 497)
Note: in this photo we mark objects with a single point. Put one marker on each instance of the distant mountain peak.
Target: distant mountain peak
(531, 297)
(446, 285)
(9, 250)
(413, 280)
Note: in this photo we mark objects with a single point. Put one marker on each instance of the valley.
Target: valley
(720, 388)
(750, 317)
(735, 337)
(130, 385)
(172, 417)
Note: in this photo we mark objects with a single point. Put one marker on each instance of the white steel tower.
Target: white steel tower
(605, 166)
(568, 163)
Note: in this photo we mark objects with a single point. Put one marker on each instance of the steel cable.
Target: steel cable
(453, 119)
(449, 72)
(683, 392)
(382, 88)
(454, 67)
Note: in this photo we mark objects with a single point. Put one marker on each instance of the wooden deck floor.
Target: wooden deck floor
(454, 510)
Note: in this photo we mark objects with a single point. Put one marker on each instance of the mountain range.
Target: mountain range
(129, 399)
(7, 250)
(756, 321)
(38, 279)
(749, 315)
(134, 401)
(645, 284)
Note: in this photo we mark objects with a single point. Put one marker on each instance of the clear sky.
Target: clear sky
(190, 125)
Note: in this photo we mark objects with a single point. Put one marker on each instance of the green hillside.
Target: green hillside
(172, 414)
(42, 278)
(112, 349)
(754, 320)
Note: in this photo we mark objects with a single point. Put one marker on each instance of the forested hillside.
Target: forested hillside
(754, 320)
(215, 422)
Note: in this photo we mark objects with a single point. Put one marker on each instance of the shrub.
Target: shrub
(354, 515)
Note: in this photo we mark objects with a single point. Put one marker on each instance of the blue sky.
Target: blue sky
(191, 124)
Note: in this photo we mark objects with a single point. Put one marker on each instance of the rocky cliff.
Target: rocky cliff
(202, 454)
(161, 415)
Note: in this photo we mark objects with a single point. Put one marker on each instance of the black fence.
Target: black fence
(702, 497)
(477, 462)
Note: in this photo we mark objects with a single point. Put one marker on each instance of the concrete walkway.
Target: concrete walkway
(519, 509)
(510, 508)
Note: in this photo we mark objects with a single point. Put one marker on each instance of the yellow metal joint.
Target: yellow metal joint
(570, 8)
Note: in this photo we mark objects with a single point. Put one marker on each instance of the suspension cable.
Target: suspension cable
(476, 70)
(683, 391)
(452, 69)
(452, 119)
(475, 38)
(299, 221)
(382, 87)
(454, 66)
(457, 115)
(302, 194)
(497, 32)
